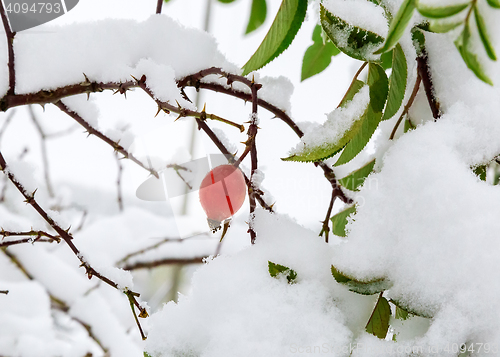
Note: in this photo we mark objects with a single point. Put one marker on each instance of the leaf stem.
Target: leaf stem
(408, 105)
(353, 80)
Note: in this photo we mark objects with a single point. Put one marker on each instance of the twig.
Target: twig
(168, 261)
(352, 82)
(326, 223)
(66, 236)
(158, 6)
(119, 183)
(25, 240)
(43, 151)
(6, 123)
(4, 292)
(92, 131)
(407, 106)
(252, 133)
(425, 74)
(10, 44)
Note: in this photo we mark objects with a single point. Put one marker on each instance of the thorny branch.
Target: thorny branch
(67, 237)
(252, 133)
(10, 45)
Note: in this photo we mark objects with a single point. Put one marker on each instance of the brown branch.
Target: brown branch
(4, 292)
(158, 6)
(119, 197)
(92, 131)
(326, 223)
(25, 240)
(425, 73)
(252, 133)
(353, 81)
(6, 123)
(10, 45)
(407, 106)
(66, 236)
(168, 261)
(43, 151)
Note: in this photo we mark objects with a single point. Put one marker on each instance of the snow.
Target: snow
(338, 122)
(360, 13)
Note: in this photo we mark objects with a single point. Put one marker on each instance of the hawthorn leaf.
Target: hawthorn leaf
(379, 87)
(398, 25)
(494, 3)
(480, 172)
(351, 92)
(352, 40)
(397, 83)
(470, 59)
(439, 12)
(318, 56)
(378, 324)
(275, 270)
(402, 314)
(386, 59)
(483, 33)
(409, 310)
(356, 178)
(360, 287)
(258, 14)
(339, 221)
(285, 26)
(442, 26)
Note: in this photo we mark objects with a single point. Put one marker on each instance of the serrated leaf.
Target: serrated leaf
(494, 3)
(285, 26)
(352, 40)
(470, 59)
(397, 83)
(379, 87)
(357, 178)
(402, 314)
(339, 221)
(439, 12)
(483, 33)
(398, 25)
(318, 56)
(480, 172)
(443, 26)
(258, 14)
(386, 60)
(378, 324)
(351, 92)
(276, 270)
(360, 287)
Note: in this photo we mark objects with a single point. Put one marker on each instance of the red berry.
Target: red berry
(222, 193)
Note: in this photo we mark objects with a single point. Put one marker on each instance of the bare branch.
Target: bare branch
(168, 261)
(10, 44)
(407, 106)
(159, 4)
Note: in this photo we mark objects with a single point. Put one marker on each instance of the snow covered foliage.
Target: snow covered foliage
(400, 257)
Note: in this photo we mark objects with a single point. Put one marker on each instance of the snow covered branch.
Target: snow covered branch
(10, 45)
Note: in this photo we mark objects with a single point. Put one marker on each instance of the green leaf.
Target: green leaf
(483, 33)
(418, 39)
(340, 220)
(257, 15)
(402, 314)
(366, 126)
(470, 59)
(443, 26)
(226, 1)
(352, 40)
(145, 353)
(480, 171)
(357, 178)
(440, 11)
(285, 26)
(421, 313)
(378, 324)
(318, 56)
(360, 287)
(494, 3)
(276, 270)
(398, 25)
(386, 60)
(351, 92)
(397, 83)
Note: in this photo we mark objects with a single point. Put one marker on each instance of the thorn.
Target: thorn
(204, 108)
(87, 82)
(43, 106)
(143, 314)
(253, 79)
(178, 105)
(88, 95)
(158, 112)
(135, 79)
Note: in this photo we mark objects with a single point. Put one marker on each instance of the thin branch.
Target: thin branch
(4, 292)
(353, 81)
(91, 131)
(43, 151)
(25, 240)
(159, 4)
(407, 106)
(66, 236)
(252, 133)
(6, 122)
(10, 44)
(425, 73)
(160, 262)
(119, 197)
(326, 223)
